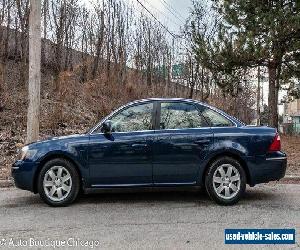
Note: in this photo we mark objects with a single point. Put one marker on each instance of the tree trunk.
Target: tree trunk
(273, 96)
(258, 97)
(34, 71)
(22, 9)
(99, 47)
(45, 16)
(277, 86)
(191, 78)
(2, 85)
(16, 52)
(202, 84)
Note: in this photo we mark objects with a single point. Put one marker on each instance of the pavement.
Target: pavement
(160, 220)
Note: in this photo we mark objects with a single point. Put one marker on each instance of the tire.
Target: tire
(58, 183)
(225, 187)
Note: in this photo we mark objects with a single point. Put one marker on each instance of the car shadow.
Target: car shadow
(198, 197)
(22, 201)
(144, 197)
(258, 194)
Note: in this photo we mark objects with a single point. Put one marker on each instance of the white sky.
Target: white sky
(171, 13)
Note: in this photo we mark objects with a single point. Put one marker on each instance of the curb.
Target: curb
(6, 183)
(291, 179)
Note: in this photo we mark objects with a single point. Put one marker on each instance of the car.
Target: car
(154, 143)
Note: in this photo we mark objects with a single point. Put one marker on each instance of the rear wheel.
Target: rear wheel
(58, 182)
(225, 181)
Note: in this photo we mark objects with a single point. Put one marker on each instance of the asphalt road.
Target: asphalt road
(172, 220)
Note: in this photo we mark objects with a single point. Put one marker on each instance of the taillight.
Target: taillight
(276, 145)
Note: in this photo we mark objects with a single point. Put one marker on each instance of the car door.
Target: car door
(181, 143)
(124, 157)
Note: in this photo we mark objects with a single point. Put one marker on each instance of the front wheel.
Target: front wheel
(58, 182)
(225, 181)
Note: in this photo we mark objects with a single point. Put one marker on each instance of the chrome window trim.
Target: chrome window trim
(137, 131)
(193, 102)
(144, 101)
(190, 128)
(162, 130)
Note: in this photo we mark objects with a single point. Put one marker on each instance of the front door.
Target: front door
(124, 158)
(180, 145)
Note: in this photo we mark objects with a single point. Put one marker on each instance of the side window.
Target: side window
(215, 119)
(179, 115)
(135, 118)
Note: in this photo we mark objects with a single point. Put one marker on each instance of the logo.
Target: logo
(260, 236)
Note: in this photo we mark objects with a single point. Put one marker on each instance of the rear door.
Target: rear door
(181, 143)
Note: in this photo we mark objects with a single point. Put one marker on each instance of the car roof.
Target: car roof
(164, 99)
(168, 99)
(176, 99)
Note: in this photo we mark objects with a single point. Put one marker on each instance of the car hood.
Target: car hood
(57, 138)
(64, 137)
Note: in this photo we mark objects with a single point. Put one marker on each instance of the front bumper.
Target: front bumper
(271, 167)
(23, 173)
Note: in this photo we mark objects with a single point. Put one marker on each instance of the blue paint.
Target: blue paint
(158, 157)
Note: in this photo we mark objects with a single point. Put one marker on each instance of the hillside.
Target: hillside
(74, 107)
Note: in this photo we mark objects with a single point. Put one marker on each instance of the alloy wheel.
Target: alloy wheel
(57, 183)
(226, 181)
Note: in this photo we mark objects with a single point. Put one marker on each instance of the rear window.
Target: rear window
(215, 119)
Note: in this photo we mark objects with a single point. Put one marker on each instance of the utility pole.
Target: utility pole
(258, 97)
(33, 115)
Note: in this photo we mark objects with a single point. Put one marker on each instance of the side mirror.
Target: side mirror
(106, 127)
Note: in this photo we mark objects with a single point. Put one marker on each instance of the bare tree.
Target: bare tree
(45, 15)
(99, 37)
(23, 18)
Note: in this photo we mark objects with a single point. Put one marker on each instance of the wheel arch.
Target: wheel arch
(52, 156)
(235, 156)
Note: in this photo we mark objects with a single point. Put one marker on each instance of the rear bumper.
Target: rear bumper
(267, 168)
(23, 174)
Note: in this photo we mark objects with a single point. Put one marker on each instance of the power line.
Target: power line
(163, 13)
(173, 35)
(173, 11)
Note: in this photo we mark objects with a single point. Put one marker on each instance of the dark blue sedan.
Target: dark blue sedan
(154, 143)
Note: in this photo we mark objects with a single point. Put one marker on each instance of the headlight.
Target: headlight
(26, 153)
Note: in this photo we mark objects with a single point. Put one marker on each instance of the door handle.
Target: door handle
(139, 145)
(202, 142)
